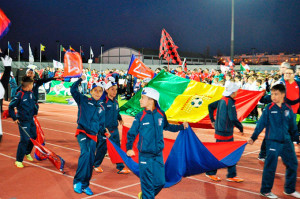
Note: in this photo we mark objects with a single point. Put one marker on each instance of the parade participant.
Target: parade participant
(226, 119)
(112, 120)
(91, 121)
(278, 119)
(149, 124)
(26, 107)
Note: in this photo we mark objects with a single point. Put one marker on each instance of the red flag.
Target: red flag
(73, 64)
(40, 139)
(4, 24)
(168, 49)
(138, 69)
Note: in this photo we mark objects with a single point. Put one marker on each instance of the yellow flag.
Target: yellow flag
(43, 47)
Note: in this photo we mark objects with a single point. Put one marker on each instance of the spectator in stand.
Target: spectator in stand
(84, 84)
(59, 74)
(180, 73)
(237, 81)
(195, 76)
(13, 85)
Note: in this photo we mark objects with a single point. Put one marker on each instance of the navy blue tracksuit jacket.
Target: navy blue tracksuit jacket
(112, 116)
(150, 125)
(226, 118)
(278, 121)
(91, 120)
(26, 108)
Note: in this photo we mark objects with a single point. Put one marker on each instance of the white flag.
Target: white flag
(92, 54)
(31, 58)
(57, 64)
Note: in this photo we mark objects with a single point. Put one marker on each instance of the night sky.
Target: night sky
(268, 26)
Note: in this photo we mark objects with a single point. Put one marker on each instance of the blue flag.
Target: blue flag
(21, 49)
(9, 47)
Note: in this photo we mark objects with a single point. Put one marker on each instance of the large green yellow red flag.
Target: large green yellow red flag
(187, 100)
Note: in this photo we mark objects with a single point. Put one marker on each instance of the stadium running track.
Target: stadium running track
(42, 180)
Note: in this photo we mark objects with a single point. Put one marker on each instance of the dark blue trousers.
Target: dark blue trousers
(25, 145)
(86, 160)
(287, 152)
(231, 170)
(102, 148)
(152, 175)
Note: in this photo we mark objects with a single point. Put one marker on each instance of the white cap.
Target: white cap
(109, 84)
(33, 67)
(29, 69)
(151, 92)
(147, 80)
(112, 79)
(102, 84)
(11, 73)
(231, 88)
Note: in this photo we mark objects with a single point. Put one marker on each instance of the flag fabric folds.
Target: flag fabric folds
(187, 156)
(72, 64)
(62, 48)
(4, 24)
(72, 49)
(43, 47)
(138, 69)
(21, 49)
(187, 100)
(40, 139)
(91, 53)
(57, 64)
(31, 58)
(9, 47)
(56, 160)
(168, 49)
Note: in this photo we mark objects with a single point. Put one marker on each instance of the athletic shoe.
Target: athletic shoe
(213, 177)
(295, 194)
(88, 191)
(261, 159)
(29, 158)
(98, 169)
(235, 179)
(78, 187)
(140, 195)
(269, 195)
(124, 171)
(19, 164)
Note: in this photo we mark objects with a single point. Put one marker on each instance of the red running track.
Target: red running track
(41, 180)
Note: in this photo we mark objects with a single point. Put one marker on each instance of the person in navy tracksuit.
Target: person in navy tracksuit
(91, 121)
(225, 121)
(112, 121)
(25, 103)
(281, 128)
(149, 124)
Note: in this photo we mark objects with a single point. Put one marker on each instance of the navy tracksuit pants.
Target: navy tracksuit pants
(287, 152)
(25, 145)
(152, 175)
(102, 148)
(86, 160)
(231, 170)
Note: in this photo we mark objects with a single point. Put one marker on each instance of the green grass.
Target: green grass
(57, 99)
(63, 99)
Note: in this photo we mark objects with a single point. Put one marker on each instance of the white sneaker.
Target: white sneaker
(269, 195)
(295, 194)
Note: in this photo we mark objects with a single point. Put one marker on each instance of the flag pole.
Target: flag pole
(19, 54)
(8, 48)
(40, 53)
(60, 53)
(29, 52)
(90, 52)
(80, 50)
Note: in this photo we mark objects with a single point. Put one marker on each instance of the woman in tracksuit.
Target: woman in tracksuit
(91, 121)
(150, 124)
